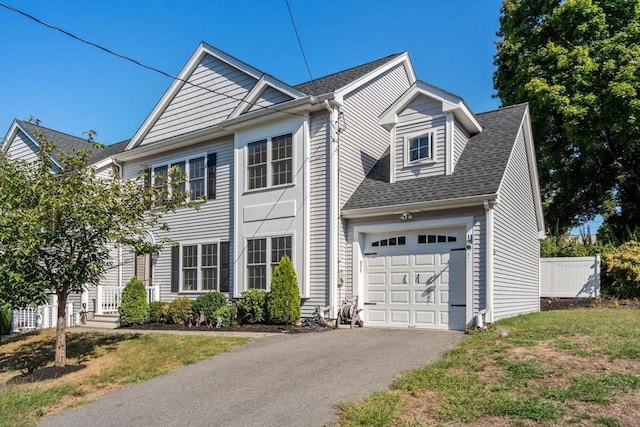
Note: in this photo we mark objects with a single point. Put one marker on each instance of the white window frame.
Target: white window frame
(199, 268)
(431, 158)
(187, 172)
(269, 262)
(269, 162)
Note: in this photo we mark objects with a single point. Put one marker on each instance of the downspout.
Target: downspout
(488, 311)
(119, 166)
(334, 201)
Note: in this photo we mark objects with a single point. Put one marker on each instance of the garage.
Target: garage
(415, 279)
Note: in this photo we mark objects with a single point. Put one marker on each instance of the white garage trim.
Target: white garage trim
(359, 233)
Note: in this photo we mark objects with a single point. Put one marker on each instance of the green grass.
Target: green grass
(97, 360)
(516, 377)
(377, 411)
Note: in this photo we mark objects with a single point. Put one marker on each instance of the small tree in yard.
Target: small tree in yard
(56, 225)
(134, 308)
(283, 301)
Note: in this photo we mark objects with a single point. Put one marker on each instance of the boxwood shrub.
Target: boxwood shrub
(208, 303)
(134, 308)
(252, 307)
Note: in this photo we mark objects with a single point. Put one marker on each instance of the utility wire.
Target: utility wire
(148, 67)
(306, 63)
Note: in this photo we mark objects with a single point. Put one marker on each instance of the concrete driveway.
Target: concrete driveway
(278, 380)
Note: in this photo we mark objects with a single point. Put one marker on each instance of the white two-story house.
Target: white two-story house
(374, 183)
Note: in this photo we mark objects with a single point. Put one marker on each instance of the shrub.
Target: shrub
(5, 320)
(225, 314)
(252, 306)
(283, 302)
(179, 310)
(134, 308)
(158, 311)
(208, 303)
(622, 267)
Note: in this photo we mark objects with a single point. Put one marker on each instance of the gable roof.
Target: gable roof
(335, 81)
(63, 142)
(478, 173)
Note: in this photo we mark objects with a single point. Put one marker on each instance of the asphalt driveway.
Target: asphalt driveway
(278, 380)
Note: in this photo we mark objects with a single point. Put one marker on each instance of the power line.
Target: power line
(148, 67)
(306, 63)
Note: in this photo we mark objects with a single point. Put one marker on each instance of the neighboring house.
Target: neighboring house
(374, 183)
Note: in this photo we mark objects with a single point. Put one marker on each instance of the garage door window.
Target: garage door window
(391, 241)
(435, 238)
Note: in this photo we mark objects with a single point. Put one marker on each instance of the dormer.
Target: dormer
(429, 129)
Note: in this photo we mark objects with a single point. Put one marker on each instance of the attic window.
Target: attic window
(420, 148)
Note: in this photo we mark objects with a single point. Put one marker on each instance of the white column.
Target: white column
(99, 300)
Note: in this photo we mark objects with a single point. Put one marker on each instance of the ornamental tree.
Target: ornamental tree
(577, 63)
(56, 227)
(283, 301)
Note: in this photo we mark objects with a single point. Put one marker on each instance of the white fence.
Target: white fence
(109, 298)
(570, 277)
(41, 317)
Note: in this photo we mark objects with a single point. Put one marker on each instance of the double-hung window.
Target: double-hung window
(259, 256)
(270, 162)
(200, 267)
(420, 148)
(197, 175)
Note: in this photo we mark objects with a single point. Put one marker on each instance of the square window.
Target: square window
(393, 241)
(442, 239)
(402, 240)
(421, 148)
(431, 238)
(422, 239)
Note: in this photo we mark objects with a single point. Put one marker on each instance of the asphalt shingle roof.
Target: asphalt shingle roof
(335, 81)
(108, 151)
(64, 143)
(478, 172)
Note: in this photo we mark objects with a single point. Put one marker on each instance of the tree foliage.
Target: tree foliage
(577, 63)
(283, 301)
(56, 224)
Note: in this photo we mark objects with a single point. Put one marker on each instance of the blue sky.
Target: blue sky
(73, 87)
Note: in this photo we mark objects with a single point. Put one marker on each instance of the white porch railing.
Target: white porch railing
(41, 317)
(109, 297)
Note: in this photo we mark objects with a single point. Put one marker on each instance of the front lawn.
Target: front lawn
(575, 367)
(97, 363)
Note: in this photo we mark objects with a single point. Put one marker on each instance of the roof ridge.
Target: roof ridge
(389, 57)
(52, 130)
(507, 107)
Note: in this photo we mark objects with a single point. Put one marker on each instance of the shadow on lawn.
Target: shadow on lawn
(31, 358)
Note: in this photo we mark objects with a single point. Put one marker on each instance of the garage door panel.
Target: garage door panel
(424, 317)
(378, 279)
(377, 296)
(400, 316)
(375, 315)
(400, 278)
(425, 259)
(444, 258)
(424, 296)
(399, 297)
(444, 296)
(377, 261)
(444, 317)
(399, 261)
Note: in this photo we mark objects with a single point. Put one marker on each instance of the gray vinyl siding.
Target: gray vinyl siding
(427, 124)
(363, 140)
(194, 108)
(516, 244)
(479, 274)
(212, 223)
(420, 107)
(269, 96)
(460, 139)
(23, 148)
(319, 205)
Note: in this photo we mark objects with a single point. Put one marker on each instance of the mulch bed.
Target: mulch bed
(547, 304)
(257, 327)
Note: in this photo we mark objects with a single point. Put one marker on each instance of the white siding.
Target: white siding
(212, 223)
(23, 148)
(516, 244)
(364, 141)
(221, 87)
(319, 205)
(414, 129)
(420, 107)
(460, 139)
(269, 96)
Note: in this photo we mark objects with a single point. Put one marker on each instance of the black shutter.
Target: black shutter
(147, 177)
(175, 269)
(212, 160)
(224, 266)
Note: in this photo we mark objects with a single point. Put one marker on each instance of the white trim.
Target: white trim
(360, 231)
(199, 244)
(334, 214)
(489, 260)
(448, 138)
(430, 159)
(269, 162)
(418, 206)
(268, 237)
(186, 171)
(400, 59)
(450, 103)
(238, 250)
(266, 81)
(392, 156)
(306, 191)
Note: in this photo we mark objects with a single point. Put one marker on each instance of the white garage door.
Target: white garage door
(415, 279)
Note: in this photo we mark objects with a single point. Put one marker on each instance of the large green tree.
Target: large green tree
(577, 63)
(56, 227)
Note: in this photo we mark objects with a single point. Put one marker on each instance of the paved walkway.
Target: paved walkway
(278, 380)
